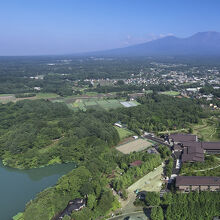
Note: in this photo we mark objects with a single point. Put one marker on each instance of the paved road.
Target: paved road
(156, 139)
(138, 215)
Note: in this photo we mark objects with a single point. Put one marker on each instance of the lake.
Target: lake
(17, 187)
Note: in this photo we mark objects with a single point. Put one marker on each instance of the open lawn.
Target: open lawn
(123, 133)
(4, 98)
(136, 145)
(171, 93)
(208, 129)
(46, 95)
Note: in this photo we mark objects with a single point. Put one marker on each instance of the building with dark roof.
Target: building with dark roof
(136, 163)
(177, 147)
(193, 152)
(211, 147)
(191, 149)
(179, 138)
(197, 183)
(73, 205)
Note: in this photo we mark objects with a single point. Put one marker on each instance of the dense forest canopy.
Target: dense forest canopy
(34, 133)
(161, 113)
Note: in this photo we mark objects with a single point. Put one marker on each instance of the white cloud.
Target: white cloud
(131, 40)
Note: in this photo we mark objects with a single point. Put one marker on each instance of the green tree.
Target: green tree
(152, 199)
(91, 202)
(157, 213)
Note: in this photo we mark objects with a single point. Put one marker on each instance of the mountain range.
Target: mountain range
(202, 43)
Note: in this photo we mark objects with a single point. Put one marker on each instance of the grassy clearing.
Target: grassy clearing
(107, 104)
(3, 95)
(46, 95)
(171, 93)
(211, 167)
(5, 98)
(183, 130)
(208, 129)
(148, 91)
(91, 93)
(123, 133)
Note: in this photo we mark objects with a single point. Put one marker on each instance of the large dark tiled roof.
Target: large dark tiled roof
(211, 145)
(197, 180)
(183, 137)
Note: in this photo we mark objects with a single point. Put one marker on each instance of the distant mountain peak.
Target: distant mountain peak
(201, 43)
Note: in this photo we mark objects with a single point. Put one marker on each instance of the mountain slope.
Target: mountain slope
(202, 43)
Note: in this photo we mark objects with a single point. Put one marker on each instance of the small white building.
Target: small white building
(118, 125)
(37, 88)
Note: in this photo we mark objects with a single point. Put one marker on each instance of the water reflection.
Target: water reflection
(37, 174)
(17, 187)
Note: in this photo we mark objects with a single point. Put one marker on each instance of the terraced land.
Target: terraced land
(208, 129)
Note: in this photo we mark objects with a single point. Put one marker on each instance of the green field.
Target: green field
(4, 98)
(3, 95)
(208, 129)
(46, 95)
(123, 133)
(148, 91)
(171, 93)
(84, 104)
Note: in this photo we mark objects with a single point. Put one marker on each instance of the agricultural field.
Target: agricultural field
(129, 104)
(46, 95)
(4, 98)
(208, 129)
(123, 133)
(136, 145)
(84, 104)
(171, 93)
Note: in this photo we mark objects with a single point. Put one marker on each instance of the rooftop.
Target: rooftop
(183, 137)
(197, 180)
(136, 163)
(211, 145)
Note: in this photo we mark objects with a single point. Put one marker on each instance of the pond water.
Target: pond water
(17, 187)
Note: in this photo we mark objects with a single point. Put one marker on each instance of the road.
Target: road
(156, 139)
(137, 215)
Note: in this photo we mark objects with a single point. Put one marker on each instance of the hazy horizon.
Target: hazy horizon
(68, 27)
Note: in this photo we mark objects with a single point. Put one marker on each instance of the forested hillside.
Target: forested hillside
(36, 133)
(161, 113)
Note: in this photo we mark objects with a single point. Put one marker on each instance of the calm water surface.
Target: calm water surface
(17, 187)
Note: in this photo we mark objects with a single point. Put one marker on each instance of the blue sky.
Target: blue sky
(34, 27)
